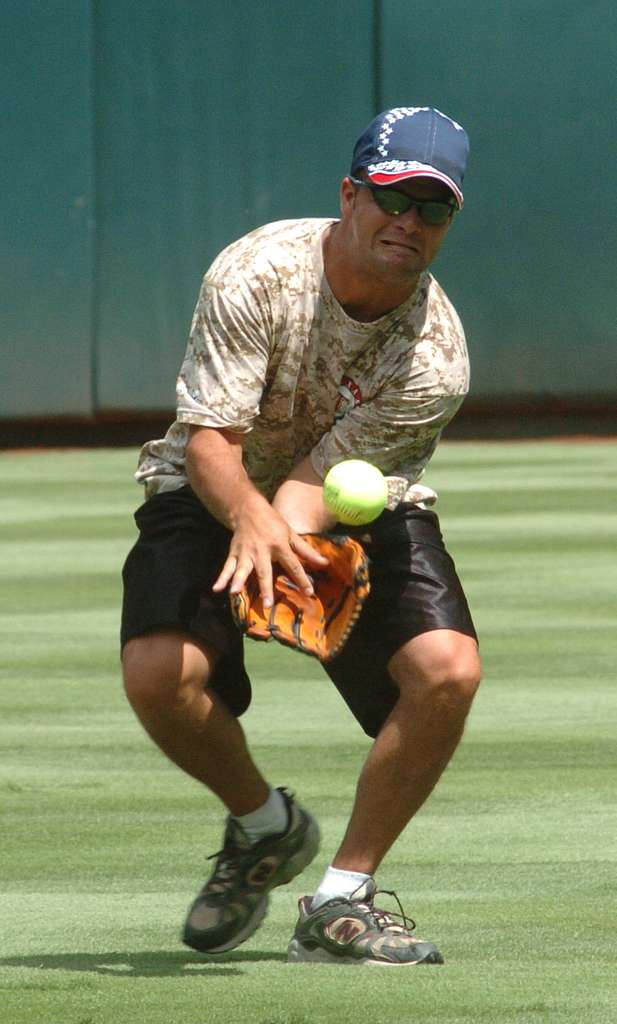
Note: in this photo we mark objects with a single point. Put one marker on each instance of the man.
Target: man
(313, 341)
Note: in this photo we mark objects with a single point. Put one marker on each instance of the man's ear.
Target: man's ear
(347, 195)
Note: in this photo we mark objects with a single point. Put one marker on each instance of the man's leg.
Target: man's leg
(437, 674)
(165, 676)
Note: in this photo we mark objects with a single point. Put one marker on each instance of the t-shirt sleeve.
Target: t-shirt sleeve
(223, 374)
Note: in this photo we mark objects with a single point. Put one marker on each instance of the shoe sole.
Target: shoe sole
(299, 954)
(192, 938)
(292, 867)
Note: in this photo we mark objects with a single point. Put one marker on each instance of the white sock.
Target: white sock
(267, 820)
(336, 882)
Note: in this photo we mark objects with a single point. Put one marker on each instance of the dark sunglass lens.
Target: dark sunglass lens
(395, 203)
(391, 202)
(435, 213)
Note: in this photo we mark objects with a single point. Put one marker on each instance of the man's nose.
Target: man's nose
(410, 220)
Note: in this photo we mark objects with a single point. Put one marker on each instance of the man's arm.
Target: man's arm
(260, 534)
(299, 500)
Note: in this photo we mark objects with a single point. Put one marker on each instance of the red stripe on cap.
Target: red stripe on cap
(390, 179)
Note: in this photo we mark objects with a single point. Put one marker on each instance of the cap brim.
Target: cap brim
(386, 178)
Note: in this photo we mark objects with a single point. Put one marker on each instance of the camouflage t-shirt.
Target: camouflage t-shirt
(272, 354)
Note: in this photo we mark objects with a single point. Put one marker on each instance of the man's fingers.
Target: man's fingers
(294, 568)
(307, 552)
(236, 573)
(241, 574)
(226, 573)
(264, 577)
(237, 568)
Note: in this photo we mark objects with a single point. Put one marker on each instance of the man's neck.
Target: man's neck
(363, 296)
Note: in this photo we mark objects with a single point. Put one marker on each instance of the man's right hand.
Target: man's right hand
(262, 537)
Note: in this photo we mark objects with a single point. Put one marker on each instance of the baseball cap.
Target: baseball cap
(408, 142)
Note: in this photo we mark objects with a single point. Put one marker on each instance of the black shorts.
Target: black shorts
(168, 577)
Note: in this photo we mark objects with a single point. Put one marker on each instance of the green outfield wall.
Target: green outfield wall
(142, 137)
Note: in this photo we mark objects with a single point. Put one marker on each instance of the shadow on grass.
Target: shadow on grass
(158, 964)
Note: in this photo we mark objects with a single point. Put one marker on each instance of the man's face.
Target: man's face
(393, 248)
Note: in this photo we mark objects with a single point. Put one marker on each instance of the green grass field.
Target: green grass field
(510, 867)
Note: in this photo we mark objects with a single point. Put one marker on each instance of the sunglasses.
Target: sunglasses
(431, 211)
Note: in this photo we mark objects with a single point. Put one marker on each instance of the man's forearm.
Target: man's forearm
(217, 475)
(299, 500)
(260, 535)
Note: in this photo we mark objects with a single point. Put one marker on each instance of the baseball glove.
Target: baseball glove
(320, 624)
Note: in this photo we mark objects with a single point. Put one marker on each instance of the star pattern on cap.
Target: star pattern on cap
(397, 114)
(392, 116)
(395, 166)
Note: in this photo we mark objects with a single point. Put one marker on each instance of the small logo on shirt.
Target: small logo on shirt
(349, 396)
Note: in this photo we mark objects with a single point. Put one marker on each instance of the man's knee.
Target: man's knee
(442, 667)
(162, 669)
(458, 684)
(458, 675)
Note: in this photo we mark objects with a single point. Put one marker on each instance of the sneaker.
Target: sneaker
(354, 931)
(234, 900)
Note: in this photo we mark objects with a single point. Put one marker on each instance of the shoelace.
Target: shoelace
(226, 859)
(408, 923)
(227, 856)
(383, 918)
